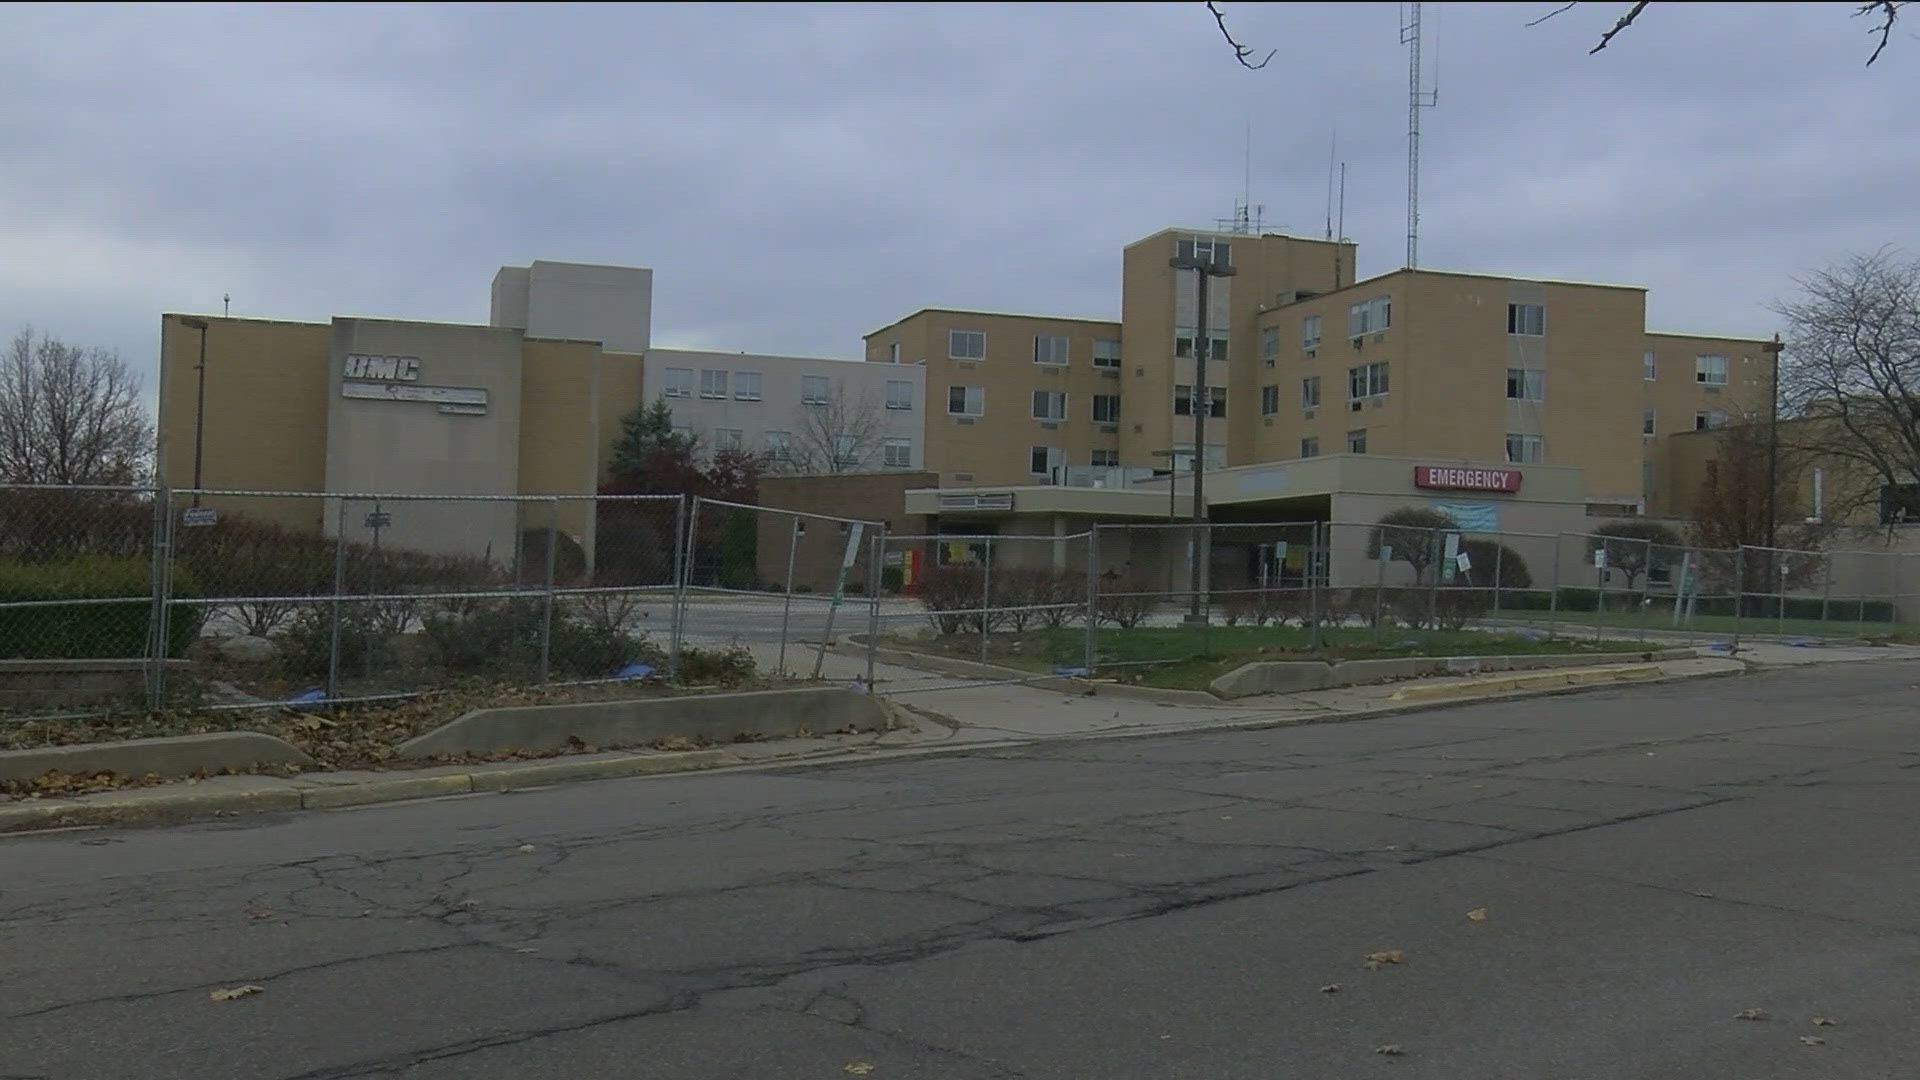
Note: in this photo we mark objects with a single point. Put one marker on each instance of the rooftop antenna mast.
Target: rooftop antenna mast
(1417, 99)
(1247, 218)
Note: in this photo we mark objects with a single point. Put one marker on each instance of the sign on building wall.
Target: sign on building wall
(1463, 478)
(1473, 517)
(371, 377)
(383, 368)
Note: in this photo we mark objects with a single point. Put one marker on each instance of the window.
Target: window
(1527, 319)
(966, 400)
(1105, 459)
(1649, 367)
(1310, 392)
(1046, 459)
(814, 389)
(1183, 400)
(1370, 316)
(1183, 343)
(713, 384)
(1310, 447)
(1899, 504)
(746, 386)
(1524, 449)
(1708, 419)
(1526, 384)
(1106, 354)
(1217, 252)
(1049, 349)
(683, 433)
(679, 382)
(1357, 441)
(1711, 370)
(1269, 399)
(1269, 344)
(1646, 421)
(899, 394)
(1366, 381)
(897, 453)
(728, 438)
(893, 352)
(780, 445)
(966, 344)
(846, 450)
(1106, 408)
(1310, 333)
(1049, 405)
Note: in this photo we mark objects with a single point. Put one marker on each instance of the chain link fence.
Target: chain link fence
(133, 599)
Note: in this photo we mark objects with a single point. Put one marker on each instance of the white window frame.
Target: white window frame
(1270, 399)
(1649, 366)
(678, 382)
(1183, 338)
(1532, 448)
(897, 453)
(1216, 401)
(1709, 419)
(1052, 350)
(893, 352)
(1527, 320)
(1112, 401)
(973, 400)
(1369, 316)
(1056, 457)
(808, 393)
(1109, 346)
(1056, 405)
(1309, 446)
(747, 385)
(1269, 344)
(1310, 333)
(1710, 369)
(1103, 459)
(779, 445)
(713, 384)
(1648, 422)
(729, 439)
(1310, 392)
(899, 394)
(1357, 435)
(1532, 384)
(1368, 381)
(966, 344)
(1209, 249)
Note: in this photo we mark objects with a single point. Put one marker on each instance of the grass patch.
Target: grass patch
(1190, 658)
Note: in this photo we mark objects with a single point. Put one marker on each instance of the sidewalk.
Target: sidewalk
(939, 714)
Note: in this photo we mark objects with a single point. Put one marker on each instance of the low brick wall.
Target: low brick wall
(76, 685)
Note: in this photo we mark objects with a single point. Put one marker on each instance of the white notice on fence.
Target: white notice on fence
(1463, 561)
(1600, 558)
(846, 560)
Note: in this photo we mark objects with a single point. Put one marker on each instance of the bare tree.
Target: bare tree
(1884, 14)
(1851, 373)
(1735, 518)
(70, 415)
(839, 435)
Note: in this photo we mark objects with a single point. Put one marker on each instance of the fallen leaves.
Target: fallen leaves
(1812, 1040)
(1330, 988)
(526, 849)
(229, 993)
(1390, 1050)
(1824, 1021)
(1478, 914)
(1752, 1014)
(1377, 960)
(860, 1068)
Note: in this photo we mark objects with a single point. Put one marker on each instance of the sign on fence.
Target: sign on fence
(846, 561)
(195, 516)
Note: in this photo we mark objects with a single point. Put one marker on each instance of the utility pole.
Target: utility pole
(1205, 270)
(1773, 349)
(200, 401)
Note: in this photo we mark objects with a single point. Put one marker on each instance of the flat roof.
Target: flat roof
(990, 314)
(1243, 235)
(759, 356)
(1708, 337)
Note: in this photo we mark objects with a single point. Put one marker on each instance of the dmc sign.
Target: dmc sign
(385, 368)
(1456, 478)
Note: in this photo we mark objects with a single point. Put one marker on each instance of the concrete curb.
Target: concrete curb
(222, 796)
(1578, 677)
(168, 756)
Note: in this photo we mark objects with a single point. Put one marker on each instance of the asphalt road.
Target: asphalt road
(1651, 862)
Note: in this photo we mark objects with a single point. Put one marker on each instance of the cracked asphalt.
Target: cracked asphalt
(1652, 861)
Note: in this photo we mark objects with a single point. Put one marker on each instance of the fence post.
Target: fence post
(1093, 588)
(1553, 594)
(1380, 589)
(986, 591)
(876, 554)
(1893, 613)
(687, 522)
(786, 603)
(1826, 589)
(1739, 592)
(157, 621)
(1640, 614)
(1499, 559)
(339, 585)
(546, 620)
(1319, 568)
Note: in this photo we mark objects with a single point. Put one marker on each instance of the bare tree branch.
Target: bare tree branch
(1625, 21)
(1890, 11)
(1568, 6)
(70, 416)
(839, 435)
(1240, 52)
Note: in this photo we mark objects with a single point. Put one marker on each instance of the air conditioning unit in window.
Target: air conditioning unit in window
(1050, 425)
(1354, 406)
(1109, 429)
(1268, 421)
(1309, 414)
(1377, 403)
(963, 420)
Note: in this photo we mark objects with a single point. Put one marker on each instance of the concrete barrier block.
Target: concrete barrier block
(718, 718)
(1271, 677)
(1362, 672)
(172, 756)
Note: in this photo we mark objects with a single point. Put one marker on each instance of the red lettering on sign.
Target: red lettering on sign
(1464, 479)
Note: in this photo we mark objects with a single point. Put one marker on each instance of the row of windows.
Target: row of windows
(746, 386)
(1047, 404)
(1053, 350)
(894, 453)
(1042, 460)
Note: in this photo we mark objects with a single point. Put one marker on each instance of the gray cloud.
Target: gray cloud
(799, 175)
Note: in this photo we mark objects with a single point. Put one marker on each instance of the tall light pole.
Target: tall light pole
(200, 402)
(1773, 349)
(1205, 270)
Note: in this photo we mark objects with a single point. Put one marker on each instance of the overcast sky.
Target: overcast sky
(798, 175)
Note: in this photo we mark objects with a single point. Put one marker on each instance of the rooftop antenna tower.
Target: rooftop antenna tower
(1247, 217)
(1417, 99)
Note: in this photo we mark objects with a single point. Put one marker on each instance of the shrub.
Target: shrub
(1048, 596)
(947, 591)
(1127, 602)
(587, 650)
(484, 635)
(1413, 532)
(52, 630)
(306, 646)
(724, 667)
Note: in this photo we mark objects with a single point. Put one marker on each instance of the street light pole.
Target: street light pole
(1773, 349)
(200, 402)
(1204, 270)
